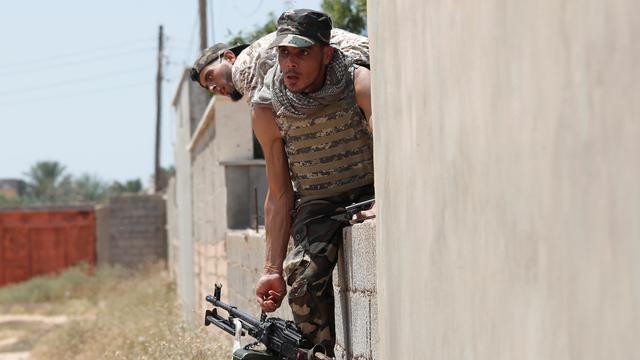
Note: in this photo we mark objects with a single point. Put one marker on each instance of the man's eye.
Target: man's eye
(305, 52)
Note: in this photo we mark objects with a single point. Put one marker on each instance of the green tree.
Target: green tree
(350, 15)
(130, 186)
(88, 188)
(47, 181)
(242, 38)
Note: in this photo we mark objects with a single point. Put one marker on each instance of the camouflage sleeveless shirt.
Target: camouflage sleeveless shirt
(329, 147)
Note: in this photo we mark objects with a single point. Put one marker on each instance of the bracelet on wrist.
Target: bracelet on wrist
(270, 269)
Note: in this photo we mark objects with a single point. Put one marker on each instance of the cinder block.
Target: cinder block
(211, 265)
(346, 250)
(209, 250)
(375, 335)
(362, 259)
(235, 246)
(235, 277)
(340, 273)
(247, 254)
(221, 267)
(361, 335)
(221, 248)
(339, 317)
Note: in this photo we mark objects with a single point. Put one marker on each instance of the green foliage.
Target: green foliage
(10, 202)
(87, 188)
(260, 31)
(49, 184)
(47, 181)
(130, 186)
(350, 15)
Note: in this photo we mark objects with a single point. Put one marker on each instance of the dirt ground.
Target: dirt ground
(111, 314)
(20, 333)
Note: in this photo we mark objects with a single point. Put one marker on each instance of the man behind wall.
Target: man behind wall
(239, 70)
(312, 117)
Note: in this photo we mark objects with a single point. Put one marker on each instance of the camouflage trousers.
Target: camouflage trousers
(309, 266)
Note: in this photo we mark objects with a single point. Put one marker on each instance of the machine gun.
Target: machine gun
(283, 339)
(347, 213)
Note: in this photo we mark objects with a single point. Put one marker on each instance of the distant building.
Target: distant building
(12, 188)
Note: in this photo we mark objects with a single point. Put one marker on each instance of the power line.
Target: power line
(211, 20)
(35, 100)
(71, 63)
(251, 14)
(93, 77)
(64, 55)
(193, 33)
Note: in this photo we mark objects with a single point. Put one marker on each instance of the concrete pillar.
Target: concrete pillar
(507, 136)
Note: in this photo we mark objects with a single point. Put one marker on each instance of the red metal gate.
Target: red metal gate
(36, 242)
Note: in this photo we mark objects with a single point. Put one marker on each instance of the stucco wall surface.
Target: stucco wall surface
(507, 137)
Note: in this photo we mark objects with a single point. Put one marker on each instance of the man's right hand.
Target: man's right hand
(270, 291)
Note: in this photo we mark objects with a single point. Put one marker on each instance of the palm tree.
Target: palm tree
(46, 180)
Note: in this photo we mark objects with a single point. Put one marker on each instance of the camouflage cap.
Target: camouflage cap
(210, 55)
(302, 28)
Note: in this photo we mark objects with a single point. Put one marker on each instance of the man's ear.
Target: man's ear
(327, 54)
(229, 56)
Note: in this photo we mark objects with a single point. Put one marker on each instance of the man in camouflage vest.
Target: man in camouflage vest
(239, 70)
(312, 117)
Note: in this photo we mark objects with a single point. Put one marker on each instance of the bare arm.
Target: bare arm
(270, 289)
(362, 82)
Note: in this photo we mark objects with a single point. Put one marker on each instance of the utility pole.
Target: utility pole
(202, 8)
(158, 175)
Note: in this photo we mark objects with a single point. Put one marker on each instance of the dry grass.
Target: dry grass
(129, 317)
(71, 292)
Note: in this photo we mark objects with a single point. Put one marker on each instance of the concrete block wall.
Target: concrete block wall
(354, 283)
(245, 256)
(210, 261)
(224, 134)
(132, 230)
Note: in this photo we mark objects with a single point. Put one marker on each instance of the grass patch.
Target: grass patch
(76, 283)
(134, 318)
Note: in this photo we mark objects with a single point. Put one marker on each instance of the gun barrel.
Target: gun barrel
(222, 324)
(234, 312)
(361, 205)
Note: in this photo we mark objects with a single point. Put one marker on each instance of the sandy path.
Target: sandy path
(53, 320)
(25, 355)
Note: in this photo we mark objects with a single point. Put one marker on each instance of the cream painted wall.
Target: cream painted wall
(508, 177)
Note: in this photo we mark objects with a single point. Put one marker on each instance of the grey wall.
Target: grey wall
(131, 230)
(246, 186)
(507, 137)
(190, 102)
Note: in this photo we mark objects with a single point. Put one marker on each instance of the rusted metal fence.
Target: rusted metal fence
(37, 242)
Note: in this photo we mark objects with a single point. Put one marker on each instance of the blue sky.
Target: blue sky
(78, 78)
